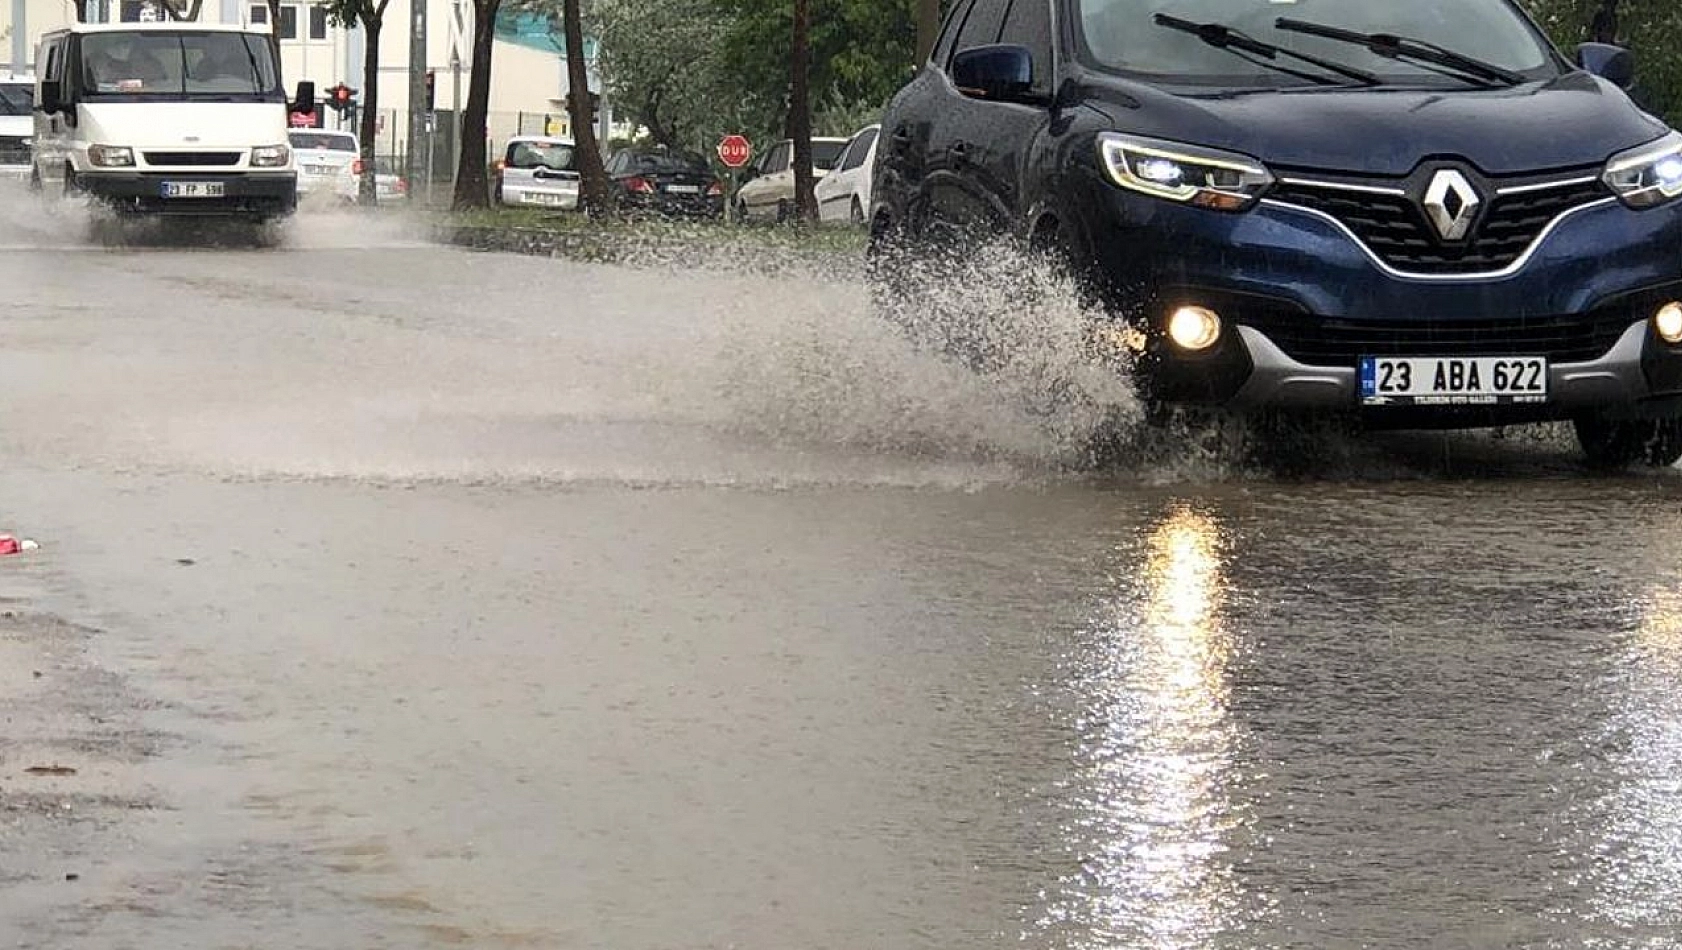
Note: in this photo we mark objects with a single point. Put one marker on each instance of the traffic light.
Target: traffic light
(431, 90)
(341, 98)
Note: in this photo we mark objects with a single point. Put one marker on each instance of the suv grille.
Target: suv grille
(1318, 341)
(193, 158)
(1395, 228)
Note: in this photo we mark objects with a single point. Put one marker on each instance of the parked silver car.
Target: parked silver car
(537, 171)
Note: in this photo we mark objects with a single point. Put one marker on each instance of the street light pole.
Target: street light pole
(20, 37)
(418, 138)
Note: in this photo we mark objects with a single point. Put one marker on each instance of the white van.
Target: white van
(17, 101)
(165, 118)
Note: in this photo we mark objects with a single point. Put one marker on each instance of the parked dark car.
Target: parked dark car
(1420, 214)
(665, 182)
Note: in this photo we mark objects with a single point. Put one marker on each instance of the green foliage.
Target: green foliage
(1652, 29)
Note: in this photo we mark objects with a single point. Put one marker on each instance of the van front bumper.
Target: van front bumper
(243, 193)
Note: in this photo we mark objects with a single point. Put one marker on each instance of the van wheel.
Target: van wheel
(35, 186)
(856, 216)
(784, 212)
(1611, 444)
(741, 211)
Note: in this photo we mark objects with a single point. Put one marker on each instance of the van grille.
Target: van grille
(1395, 229)
(14, 150)
(197, 159)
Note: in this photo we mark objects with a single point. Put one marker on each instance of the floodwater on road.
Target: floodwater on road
(396, 596)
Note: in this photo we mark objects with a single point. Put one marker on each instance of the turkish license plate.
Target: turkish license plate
(320, 169)
(194, 189)
(545, 198)
(1453, 380)
(684, 189)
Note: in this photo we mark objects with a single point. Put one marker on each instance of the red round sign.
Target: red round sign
(734, 150)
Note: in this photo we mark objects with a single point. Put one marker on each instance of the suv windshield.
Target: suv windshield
(1122, 36)
(325, 141)
(167, 65)
(16, 99)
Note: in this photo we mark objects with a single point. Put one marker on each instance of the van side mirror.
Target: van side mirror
(1614, 64)
(1003, 73)
(304, 102)
(52, 97)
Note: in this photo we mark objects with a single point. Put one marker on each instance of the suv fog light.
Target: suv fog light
(1668, 321)
(1197, 328)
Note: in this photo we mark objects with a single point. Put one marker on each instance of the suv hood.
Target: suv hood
(176, 125)
(1573, 121)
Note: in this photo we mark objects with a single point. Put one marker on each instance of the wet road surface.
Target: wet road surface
(394, 596)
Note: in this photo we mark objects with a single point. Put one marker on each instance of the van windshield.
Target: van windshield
(16, 99)
(174, 66)
(1122, 36)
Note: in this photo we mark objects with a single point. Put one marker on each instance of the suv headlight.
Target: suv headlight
(1208, 178)
(270, 156)
(111, 156)
(1647, 176)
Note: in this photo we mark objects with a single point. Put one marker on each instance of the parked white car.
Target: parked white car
(769, 192)
(844, 193)
(537, 171)
(328, 161)
(17, 124)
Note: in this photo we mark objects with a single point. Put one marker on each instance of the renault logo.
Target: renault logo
(1452, 204)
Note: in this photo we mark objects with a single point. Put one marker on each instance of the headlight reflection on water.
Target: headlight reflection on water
(1638, 855)
(1154, 807)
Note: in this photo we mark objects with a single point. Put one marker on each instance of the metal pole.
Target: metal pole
(20, 36)
(417, 97)
(455, 93)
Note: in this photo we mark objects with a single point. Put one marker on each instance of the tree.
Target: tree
(800, 111)
(928, 27)
(184, 10)
(660, 63)
(472, 188)
(593, 189)
(1652, 29)
(370, 15)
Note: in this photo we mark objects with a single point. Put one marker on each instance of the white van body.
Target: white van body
(165, 118)
(17, 124)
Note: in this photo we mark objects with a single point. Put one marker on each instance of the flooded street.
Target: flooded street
(391, 595)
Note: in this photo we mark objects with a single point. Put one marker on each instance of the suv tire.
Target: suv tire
(1611, 444)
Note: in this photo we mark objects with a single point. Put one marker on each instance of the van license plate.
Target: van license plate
(1453, 380)
(194, 189)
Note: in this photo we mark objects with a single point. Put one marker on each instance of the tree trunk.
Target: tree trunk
(800, 112)
(472, 188)
(592, 190)
(366, 192)
(274, 35)
(928, 27)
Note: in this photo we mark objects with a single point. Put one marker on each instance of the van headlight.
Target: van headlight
(270, 156)
(1208, 178)
(111, 156)
(1647, 176)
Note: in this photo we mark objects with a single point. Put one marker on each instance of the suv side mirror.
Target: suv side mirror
(1003, 73)
(1614, 64)
(52, 97)
(304, 102)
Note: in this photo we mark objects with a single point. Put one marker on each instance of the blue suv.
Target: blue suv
(1420, 213)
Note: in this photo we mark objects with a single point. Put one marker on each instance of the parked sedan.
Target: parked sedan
(327, 161)
(538, 171)
(665, 182)
(844, 194)
(769, 192)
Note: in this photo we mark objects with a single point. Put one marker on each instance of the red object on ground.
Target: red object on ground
(9, 545)
(735, 150)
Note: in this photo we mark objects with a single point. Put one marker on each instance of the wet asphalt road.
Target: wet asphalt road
(393, 596)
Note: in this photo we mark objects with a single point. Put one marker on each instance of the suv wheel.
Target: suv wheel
(1619, 443)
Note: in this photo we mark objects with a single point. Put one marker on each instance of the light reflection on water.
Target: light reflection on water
(1637, 867)
(1154, 798)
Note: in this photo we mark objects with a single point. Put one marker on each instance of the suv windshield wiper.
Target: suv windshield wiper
(1233, 41)
(1404, 47)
